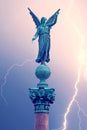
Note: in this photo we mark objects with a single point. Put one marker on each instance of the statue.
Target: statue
(43, 32)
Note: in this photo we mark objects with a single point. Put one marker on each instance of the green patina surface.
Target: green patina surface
(43, 27)
(42, 96)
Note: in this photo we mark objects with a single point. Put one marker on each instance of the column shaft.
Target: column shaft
(41, 121)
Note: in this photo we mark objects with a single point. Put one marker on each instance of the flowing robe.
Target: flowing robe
(43, 32)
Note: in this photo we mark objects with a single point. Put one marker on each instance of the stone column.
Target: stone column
(41, 121)
(42, 96)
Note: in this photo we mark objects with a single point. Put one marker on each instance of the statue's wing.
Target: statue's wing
(35, 18)
(52, 20)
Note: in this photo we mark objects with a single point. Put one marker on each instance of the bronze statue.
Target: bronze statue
(43, 32)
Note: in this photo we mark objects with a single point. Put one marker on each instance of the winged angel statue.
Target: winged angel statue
(43, 32)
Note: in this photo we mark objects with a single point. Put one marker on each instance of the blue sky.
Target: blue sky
(17, 62)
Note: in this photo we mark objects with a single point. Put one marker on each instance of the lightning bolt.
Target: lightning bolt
(72, 100)
(82, 63)
(7, 74)
(80, 110)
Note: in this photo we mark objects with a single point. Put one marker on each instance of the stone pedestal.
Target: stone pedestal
(42, 96)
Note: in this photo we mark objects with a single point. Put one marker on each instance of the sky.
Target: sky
(17, 63)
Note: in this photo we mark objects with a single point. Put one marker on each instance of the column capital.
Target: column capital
(42, 98)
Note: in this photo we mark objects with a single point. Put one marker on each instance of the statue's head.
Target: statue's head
(43, 20)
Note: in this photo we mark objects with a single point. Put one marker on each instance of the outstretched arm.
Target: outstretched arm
(35, 36)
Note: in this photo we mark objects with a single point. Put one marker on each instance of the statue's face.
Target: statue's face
(43, 20)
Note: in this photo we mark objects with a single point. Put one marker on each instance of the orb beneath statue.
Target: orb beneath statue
(42, 72)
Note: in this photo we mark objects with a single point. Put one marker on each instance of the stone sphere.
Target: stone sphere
(42, 72)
